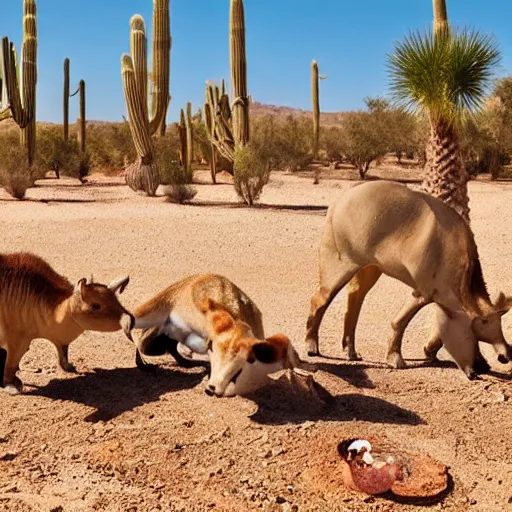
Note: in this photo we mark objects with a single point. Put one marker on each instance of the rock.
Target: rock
(277, 451)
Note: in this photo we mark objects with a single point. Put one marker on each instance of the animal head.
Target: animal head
(95, 307)
(239, 362)
(488, 328)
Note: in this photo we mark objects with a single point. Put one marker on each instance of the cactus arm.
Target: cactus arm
(160, 63)
(190, 137)
(138, 42)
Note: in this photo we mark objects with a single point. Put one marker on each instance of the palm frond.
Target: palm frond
(447, 75)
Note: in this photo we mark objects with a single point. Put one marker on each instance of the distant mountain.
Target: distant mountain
(258, 110)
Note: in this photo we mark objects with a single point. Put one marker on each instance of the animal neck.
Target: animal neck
(62, 326)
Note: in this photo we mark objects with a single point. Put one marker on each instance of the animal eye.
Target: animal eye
(237, 374)
(95, 306)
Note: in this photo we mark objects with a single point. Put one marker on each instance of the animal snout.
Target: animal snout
(211, 390)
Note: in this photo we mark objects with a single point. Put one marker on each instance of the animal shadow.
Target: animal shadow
(113, 392)
(279, 404)
(353, 373)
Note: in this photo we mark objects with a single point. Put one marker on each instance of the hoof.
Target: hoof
(312, 346)
(396, 361)
(13, 388)
(142, 365)
(69, 368)
(354, 356)
(481, 366)
(503, 359)
(471, 374)
(430, 356)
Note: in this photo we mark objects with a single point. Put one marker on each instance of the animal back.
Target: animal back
(27, 277)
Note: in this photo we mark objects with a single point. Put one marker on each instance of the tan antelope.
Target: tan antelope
(208, 314)
(386, 228)
(36, 302)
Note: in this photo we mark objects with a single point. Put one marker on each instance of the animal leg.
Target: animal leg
(358, 287)
(12, 384)
(321, 300)
(3, 358)
(64, 364)
(394, 357)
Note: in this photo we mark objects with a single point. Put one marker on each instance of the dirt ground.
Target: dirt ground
(112, 438)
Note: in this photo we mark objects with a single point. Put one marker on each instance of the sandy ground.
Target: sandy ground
(112, 438)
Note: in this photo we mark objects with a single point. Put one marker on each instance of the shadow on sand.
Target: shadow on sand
(113, 392)
(279, 404)
(318, 209)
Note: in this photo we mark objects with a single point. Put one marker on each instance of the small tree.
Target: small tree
(364, 139)
(252, 173)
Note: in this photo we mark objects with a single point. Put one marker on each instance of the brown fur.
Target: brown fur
(25, 275)
(36, 302)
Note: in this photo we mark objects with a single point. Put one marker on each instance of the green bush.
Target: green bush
(55, 154)
(251, 173)
(168, 162)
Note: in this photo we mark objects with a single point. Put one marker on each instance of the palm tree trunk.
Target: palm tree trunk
(445, 177)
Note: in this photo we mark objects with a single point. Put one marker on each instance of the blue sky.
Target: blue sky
(350, 40)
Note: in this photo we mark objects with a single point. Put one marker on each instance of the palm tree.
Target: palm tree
(445, 76)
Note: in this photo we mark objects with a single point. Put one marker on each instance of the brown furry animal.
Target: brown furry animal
(36, 302)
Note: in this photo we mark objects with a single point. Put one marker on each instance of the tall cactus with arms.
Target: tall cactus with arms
(22, 99)
(143, 174)
(240, 107)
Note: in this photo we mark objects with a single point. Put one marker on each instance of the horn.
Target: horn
(119, 284)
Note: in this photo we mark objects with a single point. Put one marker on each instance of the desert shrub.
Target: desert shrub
(283, 143)
(365, 139)
(251, 173)
(180, 193)
(331, 143)
(108, 145)
(168, 162)
(55, 154)
(16, 176)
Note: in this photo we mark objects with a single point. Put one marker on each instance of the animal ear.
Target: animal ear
(80, 287)
(263, 352)
(206, 305)
(118, 285)
(222, 321)
(503, 304)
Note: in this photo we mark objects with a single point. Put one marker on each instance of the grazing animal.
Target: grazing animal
(209, 314)
(386, 228)
(36, 302)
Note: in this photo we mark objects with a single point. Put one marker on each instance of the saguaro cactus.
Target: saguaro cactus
(441, 23)
(190, 137)
(315, 98)
(22, 100)
(182, 133)
(65, 104)
(316, 107)
(240, 106)
(143, 174)
(218, 119)
(82, 119)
